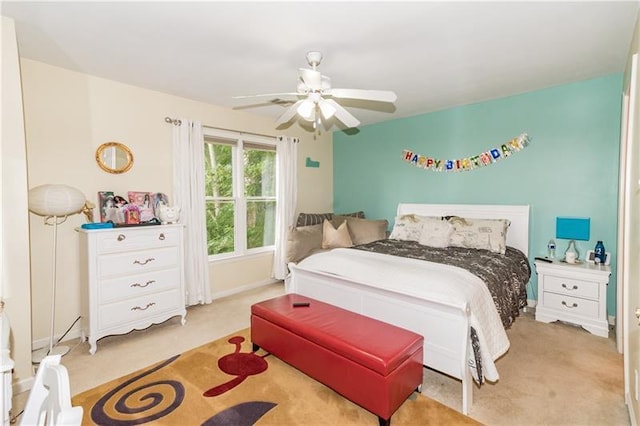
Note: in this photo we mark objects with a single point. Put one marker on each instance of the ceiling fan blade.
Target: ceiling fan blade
(289, 113)
(369, 95)
(343, 115)
(313, 79)
(265, 95)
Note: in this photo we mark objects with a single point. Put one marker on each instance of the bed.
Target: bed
(463, 331)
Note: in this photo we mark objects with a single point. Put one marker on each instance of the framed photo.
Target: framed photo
(159, 198)
(105, 202)
(143, 201)
(591, 256)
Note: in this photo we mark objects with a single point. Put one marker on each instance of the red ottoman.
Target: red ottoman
(374, 364)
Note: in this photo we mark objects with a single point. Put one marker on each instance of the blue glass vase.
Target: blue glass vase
(599, 253)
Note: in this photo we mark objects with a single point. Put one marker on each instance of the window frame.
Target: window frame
(237, 141)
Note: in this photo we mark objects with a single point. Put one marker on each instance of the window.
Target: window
(240, 193)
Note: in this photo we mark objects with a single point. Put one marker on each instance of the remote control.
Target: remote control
(300, 304)
(544, 259)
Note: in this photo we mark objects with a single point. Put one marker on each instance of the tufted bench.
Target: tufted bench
(373, 364)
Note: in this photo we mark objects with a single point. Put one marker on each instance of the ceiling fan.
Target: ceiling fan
(317, 99)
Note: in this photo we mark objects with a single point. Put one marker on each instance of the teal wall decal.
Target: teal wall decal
(311, 163)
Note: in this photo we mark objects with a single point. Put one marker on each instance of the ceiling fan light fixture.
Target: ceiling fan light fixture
(326, 109)
(306, 110)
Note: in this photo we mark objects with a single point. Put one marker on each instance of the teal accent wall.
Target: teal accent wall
(570, 167)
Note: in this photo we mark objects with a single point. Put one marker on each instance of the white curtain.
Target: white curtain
(188, 193)
(286, 193)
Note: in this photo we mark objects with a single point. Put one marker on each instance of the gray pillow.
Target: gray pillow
(308, 219)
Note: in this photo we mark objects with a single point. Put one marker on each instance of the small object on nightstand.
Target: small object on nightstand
(544, 259)
(600, 252)
(551, 248)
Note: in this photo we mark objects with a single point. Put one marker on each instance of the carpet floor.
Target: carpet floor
(224, 383)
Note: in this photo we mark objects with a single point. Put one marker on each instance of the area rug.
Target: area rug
(225, 383)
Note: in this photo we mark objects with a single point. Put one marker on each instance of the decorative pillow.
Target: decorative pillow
(335, 238)
(363, 231)
(488, 234)
(308, 219)
(435, 233)
(303, 241)
(408, 227)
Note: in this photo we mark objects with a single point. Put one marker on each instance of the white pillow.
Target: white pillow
(408, 227)
(488, 234)
(335, 238)
(435, 233)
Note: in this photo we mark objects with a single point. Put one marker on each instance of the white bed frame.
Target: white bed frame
(445, 327)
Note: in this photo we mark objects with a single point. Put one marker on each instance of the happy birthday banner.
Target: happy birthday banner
(468, 163)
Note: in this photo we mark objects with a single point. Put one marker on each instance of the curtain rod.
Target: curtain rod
(177, 122)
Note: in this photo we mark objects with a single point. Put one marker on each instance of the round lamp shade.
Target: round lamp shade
(55, 200)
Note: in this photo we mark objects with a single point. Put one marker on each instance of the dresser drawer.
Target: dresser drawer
(130, 286)
(138, 309)
(137, 262)
(573, 305)
(571, 287)
(138, 239)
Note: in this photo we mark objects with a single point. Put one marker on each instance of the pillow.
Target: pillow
(408, 227)
(363, 231)
(302, 241)
(435, 233)
(308, 219)
(335, 238)
(488, 234)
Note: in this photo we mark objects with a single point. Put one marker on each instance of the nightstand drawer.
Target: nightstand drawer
(571, 287)
(572, 305)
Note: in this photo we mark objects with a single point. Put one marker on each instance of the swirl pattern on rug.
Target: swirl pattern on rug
(158, 399)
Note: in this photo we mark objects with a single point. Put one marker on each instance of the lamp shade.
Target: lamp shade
(573, 228)
(55, 200)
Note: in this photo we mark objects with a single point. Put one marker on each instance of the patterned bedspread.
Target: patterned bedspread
(506, 275)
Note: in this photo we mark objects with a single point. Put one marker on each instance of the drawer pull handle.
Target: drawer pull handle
(573, 305)
(144, 262)
(161, 237)
(575, 287)
(138, 308)
(143, 285)
(121, 237)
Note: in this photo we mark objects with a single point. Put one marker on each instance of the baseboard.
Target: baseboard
(74, 333)
(23, 385)
(612, 320)
(632, 414)
(241, 289)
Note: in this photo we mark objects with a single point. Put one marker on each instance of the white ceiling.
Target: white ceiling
(434, 55)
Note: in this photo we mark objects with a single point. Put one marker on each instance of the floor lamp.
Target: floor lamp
(55, 203)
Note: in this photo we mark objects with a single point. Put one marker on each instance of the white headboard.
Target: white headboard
(517, 235)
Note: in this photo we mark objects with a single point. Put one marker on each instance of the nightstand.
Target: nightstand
(575, 293)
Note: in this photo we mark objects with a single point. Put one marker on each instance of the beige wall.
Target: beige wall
(14, 248)
(69, 114)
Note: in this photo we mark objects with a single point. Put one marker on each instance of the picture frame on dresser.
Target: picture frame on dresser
(591, 257)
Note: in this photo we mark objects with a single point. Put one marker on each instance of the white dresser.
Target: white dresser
(134, 277)
(573, 293)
